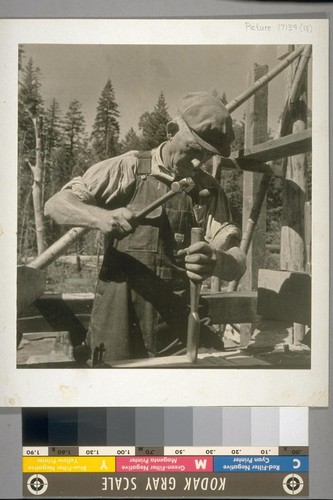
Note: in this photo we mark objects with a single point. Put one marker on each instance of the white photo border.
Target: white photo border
(164, 387)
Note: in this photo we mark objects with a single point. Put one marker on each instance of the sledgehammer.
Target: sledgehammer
(55, 250)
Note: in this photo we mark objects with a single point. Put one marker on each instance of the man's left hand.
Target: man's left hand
(200, 260)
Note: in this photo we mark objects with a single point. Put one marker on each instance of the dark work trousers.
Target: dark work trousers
(140, 307)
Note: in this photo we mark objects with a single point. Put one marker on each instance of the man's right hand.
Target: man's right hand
(65, 208)
(118, 223)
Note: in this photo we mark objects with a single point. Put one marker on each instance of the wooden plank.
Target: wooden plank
(30, 285)
(285, 296)
(209, 360)
(232, 307)
(289, 145)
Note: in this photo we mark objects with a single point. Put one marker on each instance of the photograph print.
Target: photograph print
(164, 206)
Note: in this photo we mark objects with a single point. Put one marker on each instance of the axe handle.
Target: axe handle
(155, 204)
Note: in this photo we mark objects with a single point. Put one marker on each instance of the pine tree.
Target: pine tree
(52, 141)
(30, 105)
(20, 57)
(52, 127)
(105, 134)
(73, 133)
(131, 141)
(153, 125)
(73, 126)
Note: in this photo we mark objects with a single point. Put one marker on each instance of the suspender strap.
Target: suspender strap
(144, 164)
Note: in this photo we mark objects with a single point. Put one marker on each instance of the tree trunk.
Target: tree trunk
(37, 172)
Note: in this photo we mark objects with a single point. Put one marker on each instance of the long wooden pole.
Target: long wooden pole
(244, 96)
(252, 220)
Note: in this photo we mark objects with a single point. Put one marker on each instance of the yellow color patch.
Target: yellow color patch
(62, 465)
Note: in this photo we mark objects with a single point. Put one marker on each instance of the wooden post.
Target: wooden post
(292, 255)
(215, 281)
(255, 133)
(307, 235)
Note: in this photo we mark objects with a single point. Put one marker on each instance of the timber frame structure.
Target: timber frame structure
(277, 295)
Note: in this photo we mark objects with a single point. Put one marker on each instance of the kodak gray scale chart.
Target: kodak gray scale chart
(159, 452)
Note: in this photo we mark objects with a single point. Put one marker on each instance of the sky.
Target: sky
(140, 72)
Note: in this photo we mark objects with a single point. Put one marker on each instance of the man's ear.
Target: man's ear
(171, 129)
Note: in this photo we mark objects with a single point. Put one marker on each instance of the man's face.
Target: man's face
(186, 154)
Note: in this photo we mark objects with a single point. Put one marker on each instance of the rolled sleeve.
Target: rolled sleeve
(80, 189)
(228, 236)
(108, 183)
(213, 213)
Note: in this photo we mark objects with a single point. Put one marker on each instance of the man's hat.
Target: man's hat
(208, 120)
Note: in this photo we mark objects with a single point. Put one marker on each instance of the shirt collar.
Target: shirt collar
(158, 169)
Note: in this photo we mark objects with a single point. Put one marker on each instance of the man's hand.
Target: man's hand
(200, 260)
(118, 223)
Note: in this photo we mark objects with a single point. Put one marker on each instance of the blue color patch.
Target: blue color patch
(261, 464)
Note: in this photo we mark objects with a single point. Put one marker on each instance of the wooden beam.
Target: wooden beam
(237, 162)
(256, 156)
(290, 145)
(232, 307)
(285, 296)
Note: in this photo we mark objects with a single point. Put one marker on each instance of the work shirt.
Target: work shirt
(140, 306)
(109, 184)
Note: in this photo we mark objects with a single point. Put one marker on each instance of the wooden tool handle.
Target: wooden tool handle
(155, 204)
(193, 327)
(196, 235)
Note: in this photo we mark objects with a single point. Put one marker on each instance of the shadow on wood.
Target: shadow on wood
(285, 295)
(30, 286)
